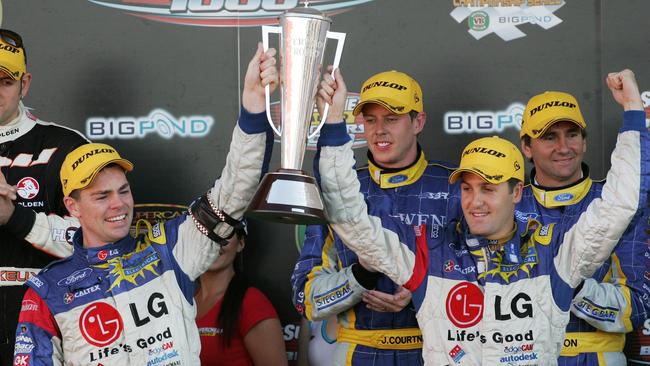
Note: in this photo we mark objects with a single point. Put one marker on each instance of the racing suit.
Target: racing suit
(482, 302)
(131, 302)
(31, 153)
(328, 279)
(609, 304)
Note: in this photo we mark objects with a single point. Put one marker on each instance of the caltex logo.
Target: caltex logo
(449, 265)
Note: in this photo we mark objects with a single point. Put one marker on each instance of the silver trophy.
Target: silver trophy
(289, 195)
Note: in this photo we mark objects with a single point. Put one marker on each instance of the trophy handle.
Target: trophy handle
(340, 42)
(266, 30)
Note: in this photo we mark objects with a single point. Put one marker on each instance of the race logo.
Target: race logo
(354, 124)
(464, 305)
(645, 97)
(159, 122)
(223, 13)
(484, 122)
(507, 270)
(129, 267)
(154, 213)
(27, 188)
(100, 324)
(503, 17)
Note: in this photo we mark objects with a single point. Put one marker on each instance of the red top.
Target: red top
(255, 308)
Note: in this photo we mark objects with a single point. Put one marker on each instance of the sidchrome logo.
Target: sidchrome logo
(222, 13)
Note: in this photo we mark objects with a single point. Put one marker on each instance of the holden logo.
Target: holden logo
(465, 305)
(100, 324)
(27, 188)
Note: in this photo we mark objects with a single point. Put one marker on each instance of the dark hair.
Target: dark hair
(233, 298)
(413, 114)
(512, 183)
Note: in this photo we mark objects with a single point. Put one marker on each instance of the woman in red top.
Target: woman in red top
(237, 323)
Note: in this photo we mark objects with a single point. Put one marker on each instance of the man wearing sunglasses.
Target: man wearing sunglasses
(31, 153)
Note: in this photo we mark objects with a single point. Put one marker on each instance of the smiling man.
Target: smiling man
(610, 304)
(123, 300)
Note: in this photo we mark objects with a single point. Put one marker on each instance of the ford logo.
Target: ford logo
(397, 179)
(75, 277)
(563, 197)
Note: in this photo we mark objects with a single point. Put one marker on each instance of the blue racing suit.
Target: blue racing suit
(609, 304)
(131, 302)
(328, 279)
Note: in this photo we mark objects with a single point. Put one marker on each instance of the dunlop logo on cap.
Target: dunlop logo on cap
(555, 103)
(484, 150)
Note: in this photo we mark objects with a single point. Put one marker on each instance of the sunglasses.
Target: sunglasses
(12, 38)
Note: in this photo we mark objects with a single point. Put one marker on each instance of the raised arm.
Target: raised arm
(215, 214)
(378, 244)
(590, 241)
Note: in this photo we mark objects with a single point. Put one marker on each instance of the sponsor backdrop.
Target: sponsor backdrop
(161, 81)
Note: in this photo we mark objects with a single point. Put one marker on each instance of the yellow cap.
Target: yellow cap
(394, 90)
(12, 60)
(83, 163)
(543, 110)
(494, 159)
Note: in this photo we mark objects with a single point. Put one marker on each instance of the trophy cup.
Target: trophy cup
(289, 195)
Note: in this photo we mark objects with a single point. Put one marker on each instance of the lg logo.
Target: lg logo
(465, 305)
(100, 324)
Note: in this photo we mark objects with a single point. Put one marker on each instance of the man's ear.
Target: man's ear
(25, 82)
(526, 150)
(72, 206)
(419, 121)
(517, 192)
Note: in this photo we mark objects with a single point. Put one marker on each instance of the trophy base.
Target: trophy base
(288, 196)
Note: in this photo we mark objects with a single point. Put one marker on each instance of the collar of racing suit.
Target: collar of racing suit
(104, 254)
(391, 178)
(561, 196)
(508, 250)
(19, 126)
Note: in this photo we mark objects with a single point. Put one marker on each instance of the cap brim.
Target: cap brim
(387, 103)
(125, 164)
(10, 73)
(480, 171)
(550, 123)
